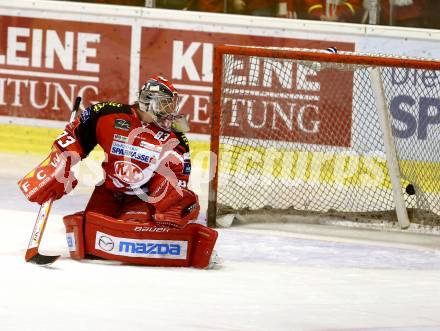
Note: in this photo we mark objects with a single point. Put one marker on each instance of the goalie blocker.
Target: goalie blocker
(139, 243)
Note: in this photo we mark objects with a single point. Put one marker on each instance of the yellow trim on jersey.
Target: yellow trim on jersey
(312, 8)
(350, 6)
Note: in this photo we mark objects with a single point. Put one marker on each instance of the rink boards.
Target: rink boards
(337, 167)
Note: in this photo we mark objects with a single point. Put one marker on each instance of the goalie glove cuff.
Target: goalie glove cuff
(52, 178)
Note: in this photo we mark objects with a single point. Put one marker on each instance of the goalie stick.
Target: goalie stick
(32, 254)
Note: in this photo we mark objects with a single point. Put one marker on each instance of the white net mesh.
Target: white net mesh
(298, 135)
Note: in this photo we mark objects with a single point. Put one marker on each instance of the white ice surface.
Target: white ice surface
(270, 280)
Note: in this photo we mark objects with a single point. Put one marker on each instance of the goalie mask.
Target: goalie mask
(159, 97)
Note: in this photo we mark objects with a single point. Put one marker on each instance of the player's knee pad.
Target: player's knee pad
(75, 234)
(135, 210)
(185, 208)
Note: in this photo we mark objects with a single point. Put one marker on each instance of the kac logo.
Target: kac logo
(128, 172)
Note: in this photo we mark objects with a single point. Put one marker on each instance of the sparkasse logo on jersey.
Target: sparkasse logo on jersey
(46, 64)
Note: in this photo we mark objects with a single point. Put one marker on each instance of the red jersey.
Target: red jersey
(264, 4)
(402, 12)
(214, 6)
(316, 8)
(135, 151)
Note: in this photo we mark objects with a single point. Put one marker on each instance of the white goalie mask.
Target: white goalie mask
(160, 98)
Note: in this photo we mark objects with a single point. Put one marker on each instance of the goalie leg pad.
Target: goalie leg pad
(135, 243)
(148, 243)
(75, 234)
(204, 239)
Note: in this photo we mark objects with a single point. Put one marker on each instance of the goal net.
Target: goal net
(310, 132)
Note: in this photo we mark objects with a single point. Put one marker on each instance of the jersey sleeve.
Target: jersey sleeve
(83, 130)
(86, 129)
(183, 172)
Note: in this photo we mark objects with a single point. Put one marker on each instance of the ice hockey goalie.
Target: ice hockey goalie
(143, 212)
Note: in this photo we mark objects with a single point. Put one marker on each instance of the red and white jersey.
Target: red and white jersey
(135, 151)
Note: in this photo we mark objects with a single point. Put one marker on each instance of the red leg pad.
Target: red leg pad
(148, 243)
(204, 239)
(135, 243)
(75, 234)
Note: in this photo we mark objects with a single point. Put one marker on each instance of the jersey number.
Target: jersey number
(161, 136)
(69, 140)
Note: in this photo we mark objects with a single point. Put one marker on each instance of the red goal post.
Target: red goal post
(308, 132)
